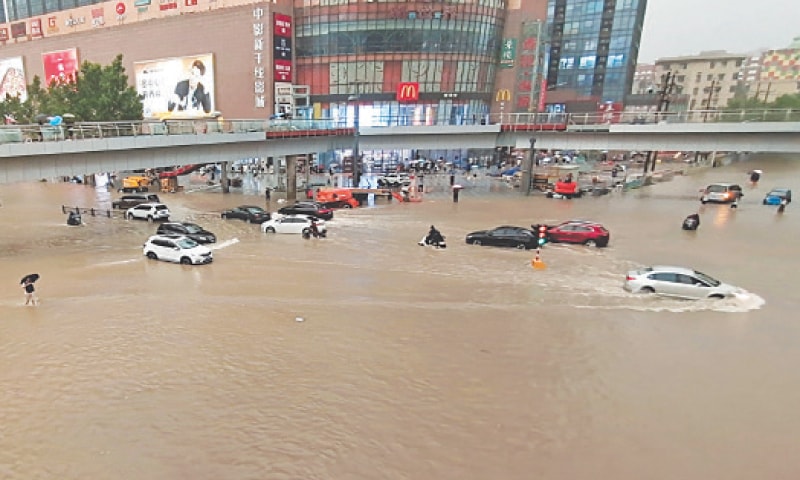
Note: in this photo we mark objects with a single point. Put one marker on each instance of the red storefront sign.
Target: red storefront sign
(407, 91)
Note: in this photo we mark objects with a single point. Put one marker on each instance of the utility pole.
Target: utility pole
(664, 100)
(356, 124)
(532, 162)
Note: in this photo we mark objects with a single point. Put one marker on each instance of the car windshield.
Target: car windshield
(717, 188)
(161, 207)
(255, 210)
(778, 192)
(186, 243)
(709, 280)
(192, 228)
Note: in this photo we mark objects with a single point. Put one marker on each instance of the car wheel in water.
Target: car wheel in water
(347, 205)
(647, 290)
(152, 255)
(150, 218)
(522, 246)
(130, 216)
(224, 216)
(716, 297)
(590, 243)
(270, 230)
(186, 261)
(476, 242)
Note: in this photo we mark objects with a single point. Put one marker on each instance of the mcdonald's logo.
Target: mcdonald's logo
(407, 92)
(503, 95)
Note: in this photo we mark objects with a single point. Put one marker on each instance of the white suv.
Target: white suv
(148, 211)
(178, 249)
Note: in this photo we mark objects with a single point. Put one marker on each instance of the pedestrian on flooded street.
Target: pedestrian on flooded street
(30, 291)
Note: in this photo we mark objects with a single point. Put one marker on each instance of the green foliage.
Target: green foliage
(99, 94)
(788, 101)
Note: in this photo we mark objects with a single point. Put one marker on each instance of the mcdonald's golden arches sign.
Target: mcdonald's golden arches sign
(407, 91)
(503, 95)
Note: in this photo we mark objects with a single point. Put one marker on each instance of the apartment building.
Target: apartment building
(710, 79)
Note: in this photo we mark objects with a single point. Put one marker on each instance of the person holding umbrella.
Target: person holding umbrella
(27, 284)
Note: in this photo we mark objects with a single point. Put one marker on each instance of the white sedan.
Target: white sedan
(290, 224)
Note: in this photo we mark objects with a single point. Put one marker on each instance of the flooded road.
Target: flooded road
(408, 363)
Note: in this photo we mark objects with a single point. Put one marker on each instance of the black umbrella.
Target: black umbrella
(32, 277)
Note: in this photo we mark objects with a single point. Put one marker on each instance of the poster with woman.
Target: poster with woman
(181, 87)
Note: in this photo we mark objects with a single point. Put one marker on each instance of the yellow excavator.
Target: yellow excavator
(136, 183)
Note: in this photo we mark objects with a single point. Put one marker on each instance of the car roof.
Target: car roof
(168, 236)
(781, 189)
(672, 269)
(724, 184)
(250, 206)
(151, 204)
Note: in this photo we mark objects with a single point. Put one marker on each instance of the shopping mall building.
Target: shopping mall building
(402, 62)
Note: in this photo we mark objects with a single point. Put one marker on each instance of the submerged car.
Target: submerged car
(505, 236)
(177, 249)
(250, 213)
(191, 230)
(677, 282)
(291, 224)
(315, 209)
(777, 195)
(721, 193)
(587, 233)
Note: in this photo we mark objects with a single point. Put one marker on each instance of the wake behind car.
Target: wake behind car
(504, 236)
(584, 232)
(249, 213)
(777, 195)
(148, 211)
(677, 282)
(291, 224)
(191, 230)
(315, 209)
(177, 249)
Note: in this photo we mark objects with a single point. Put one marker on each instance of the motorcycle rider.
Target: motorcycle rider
(314, 228)
(692, 222)
(434, 238)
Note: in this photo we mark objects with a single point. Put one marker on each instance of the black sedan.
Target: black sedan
(314, 209)
(191, 230)
(505, 236)
(250, 213)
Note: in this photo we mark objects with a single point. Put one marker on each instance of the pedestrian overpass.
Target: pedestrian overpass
(36, 152)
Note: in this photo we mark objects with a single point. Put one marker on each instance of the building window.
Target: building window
(713, 64)
(721, 77)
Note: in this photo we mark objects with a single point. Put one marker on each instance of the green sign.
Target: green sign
(508, 53)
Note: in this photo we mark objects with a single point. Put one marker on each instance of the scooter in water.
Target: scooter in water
(426, 242)
(691, 222)
(308, 233)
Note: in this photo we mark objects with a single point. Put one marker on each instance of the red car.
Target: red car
(579, 231)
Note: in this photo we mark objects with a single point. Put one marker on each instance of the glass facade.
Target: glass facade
(348, 49)
(594, 46)
(22, 9)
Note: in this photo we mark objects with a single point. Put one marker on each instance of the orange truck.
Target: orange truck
(337, 198)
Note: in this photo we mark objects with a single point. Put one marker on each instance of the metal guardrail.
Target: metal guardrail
(328, 127)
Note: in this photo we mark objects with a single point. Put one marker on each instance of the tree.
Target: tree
(103, 94)
(788, 101)
(98, 94)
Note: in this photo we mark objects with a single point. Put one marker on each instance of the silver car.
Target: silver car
(677, 282)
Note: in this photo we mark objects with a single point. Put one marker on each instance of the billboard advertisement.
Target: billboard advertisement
(12, 79)
(61, 66)
(176, 87)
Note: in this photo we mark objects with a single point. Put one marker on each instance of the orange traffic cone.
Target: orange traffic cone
(537, 262)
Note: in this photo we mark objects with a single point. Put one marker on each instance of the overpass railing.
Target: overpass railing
(293, 128)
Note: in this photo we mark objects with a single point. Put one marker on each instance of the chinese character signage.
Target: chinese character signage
(61, 66)
(282, 43)
(508, 53)
(19, 30)
(12, 79)
(181, 87)
(36, 27)
(3, 34)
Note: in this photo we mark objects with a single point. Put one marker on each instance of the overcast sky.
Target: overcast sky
(684, 27)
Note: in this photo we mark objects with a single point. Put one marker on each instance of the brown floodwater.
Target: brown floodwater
(408, 363)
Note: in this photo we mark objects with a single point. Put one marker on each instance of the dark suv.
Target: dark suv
(191, 230)
(127, 201)
(315, 209)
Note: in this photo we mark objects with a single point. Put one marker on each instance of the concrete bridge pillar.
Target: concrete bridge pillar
(223, 178)
(291, 178)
